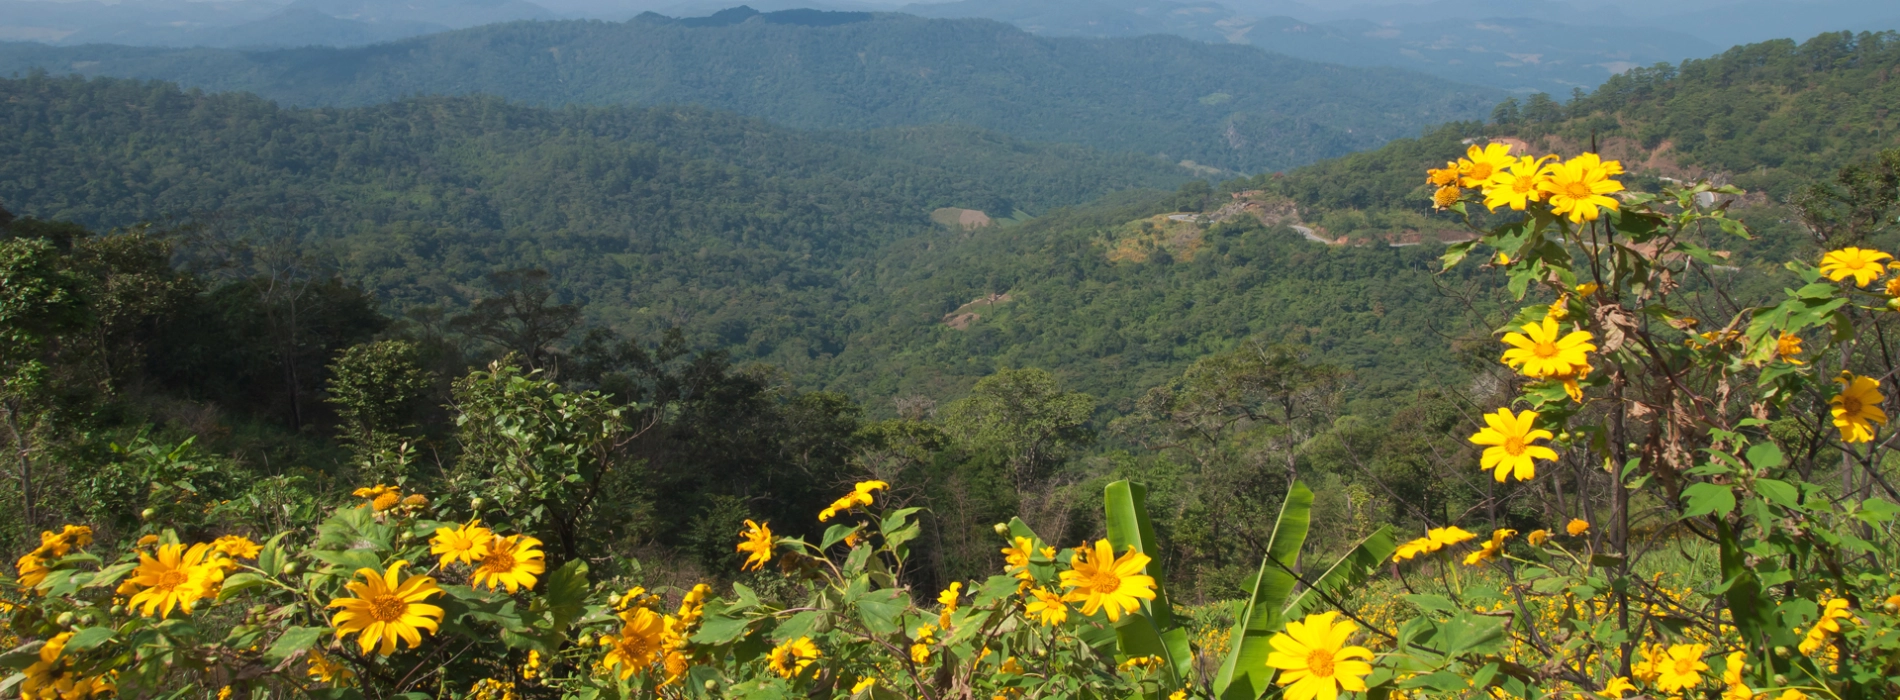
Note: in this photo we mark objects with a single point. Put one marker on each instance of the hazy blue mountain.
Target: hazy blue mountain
(1231, 107)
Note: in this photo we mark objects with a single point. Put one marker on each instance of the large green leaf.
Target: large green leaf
(1158, 633)
(1244, 674)
(1352, 569)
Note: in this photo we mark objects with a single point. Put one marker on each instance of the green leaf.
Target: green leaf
(239, 583)
(88, 637)
(1766, 455)
(1778, 492)
(1355, 567)
(1244, 674)
(1126, 507)
(566, 594)
(294, 640)
(880, 610)
(836, 534)
(1705, 499)
(718, 629)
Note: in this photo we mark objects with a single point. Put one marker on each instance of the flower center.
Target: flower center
(1481, 171)
(1579, 189)
(499, 560)
(1850, 405)
(172, 579)
(1545, 350)
(1320, 662)
(387, 608)
(1523, 185)
(1685, 667)
(1514, 445)
(1105, 582)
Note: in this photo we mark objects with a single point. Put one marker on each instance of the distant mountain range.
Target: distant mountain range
(1553, 46)
(1224, 107)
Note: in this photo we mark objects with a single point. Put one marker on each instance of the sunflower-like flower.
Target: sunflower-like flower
(175, 579)
(237, 547)
(948, 599)
(1537, 538)
(513, 561)
(32, 570)
(1313, 658)
(1857, 407)
(642, 641)
(324, 669)
(1100, 581)
(793, 657)
(1543, 350)
(1832, 615)
(1016, 557)
(1509, 441)
(1482, 162)
(381, 497)
(1444, 197)
(921, 640)
(1577, 188)
(757, 544)
(1681, 669)
(1046, 607)
(1435, 539)
(1491, 548)
(1616, 687)
(1515, 186)
(1788, 347)
(467, 543)
(693, 605)
(1862, 264)
(387, 606)
(861, 495)
(1443, 177)
(1733, 687)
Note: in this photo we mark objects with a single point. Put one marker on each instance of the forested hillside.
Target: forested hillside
(1231, 107)
(648, 218)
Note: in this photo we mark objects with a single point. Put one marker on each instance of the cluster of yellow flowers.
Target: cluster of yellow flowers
(51, 676)
(32, 566)
(1577, 189)
(513, 561)
(1439, 538)
(175, 576)
(383, 497)
(648, 637)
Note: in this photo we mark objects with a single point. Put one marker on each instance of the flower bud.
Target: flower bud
(148, 513)
(1002, 528)
(65, 619)
(1781, 651)
(1894, 303)
(712, 686)
(586, 640)
(118, 610)
(1781, 679)
(476, 503)
(291, 568)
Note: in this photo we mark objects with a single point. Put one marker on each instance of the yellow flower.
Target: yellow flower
(1862, 264)
(757, 544)
(861, 495)
(1516, 185)
(1540, 351)
(1832, 614)
(68, 538)
(1650, 668)
(415, 500)
(1011, 666)
(148, 540)
(387, 606)
(641, 642)
(1480, 163)
(793, 657)
(177, 578)
(920, 650)
(513, 561)
(1491, 549)
(1016, 557)
(1047, 607)
(1442, 177)
(1577, 526)
(693, 604)
(32, 570)
(1587, 289)
(325, 670)
(1313, 658)
(224, 693)
(1537, 538)
(864, 683)
(1435, 539)
(1792, 694)
(466, 544)
(1102, 582)
(1893, 287)
(1788, 346)
(1509, 444)
(1616, 688)
(381, 497)
(948, 598)
(237, 546)
(1857, 407)
(1682, 668)
(1577, 187)
(1444, 197)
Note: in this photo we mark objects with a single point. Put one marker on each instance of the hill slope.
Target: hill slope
(1231, 107)
(733, 227)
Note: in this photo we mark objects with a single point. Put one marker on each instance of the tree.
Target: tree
(1506, 112)
(520, 316)
(38, 300)
(376, 388)
(1023, 417)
